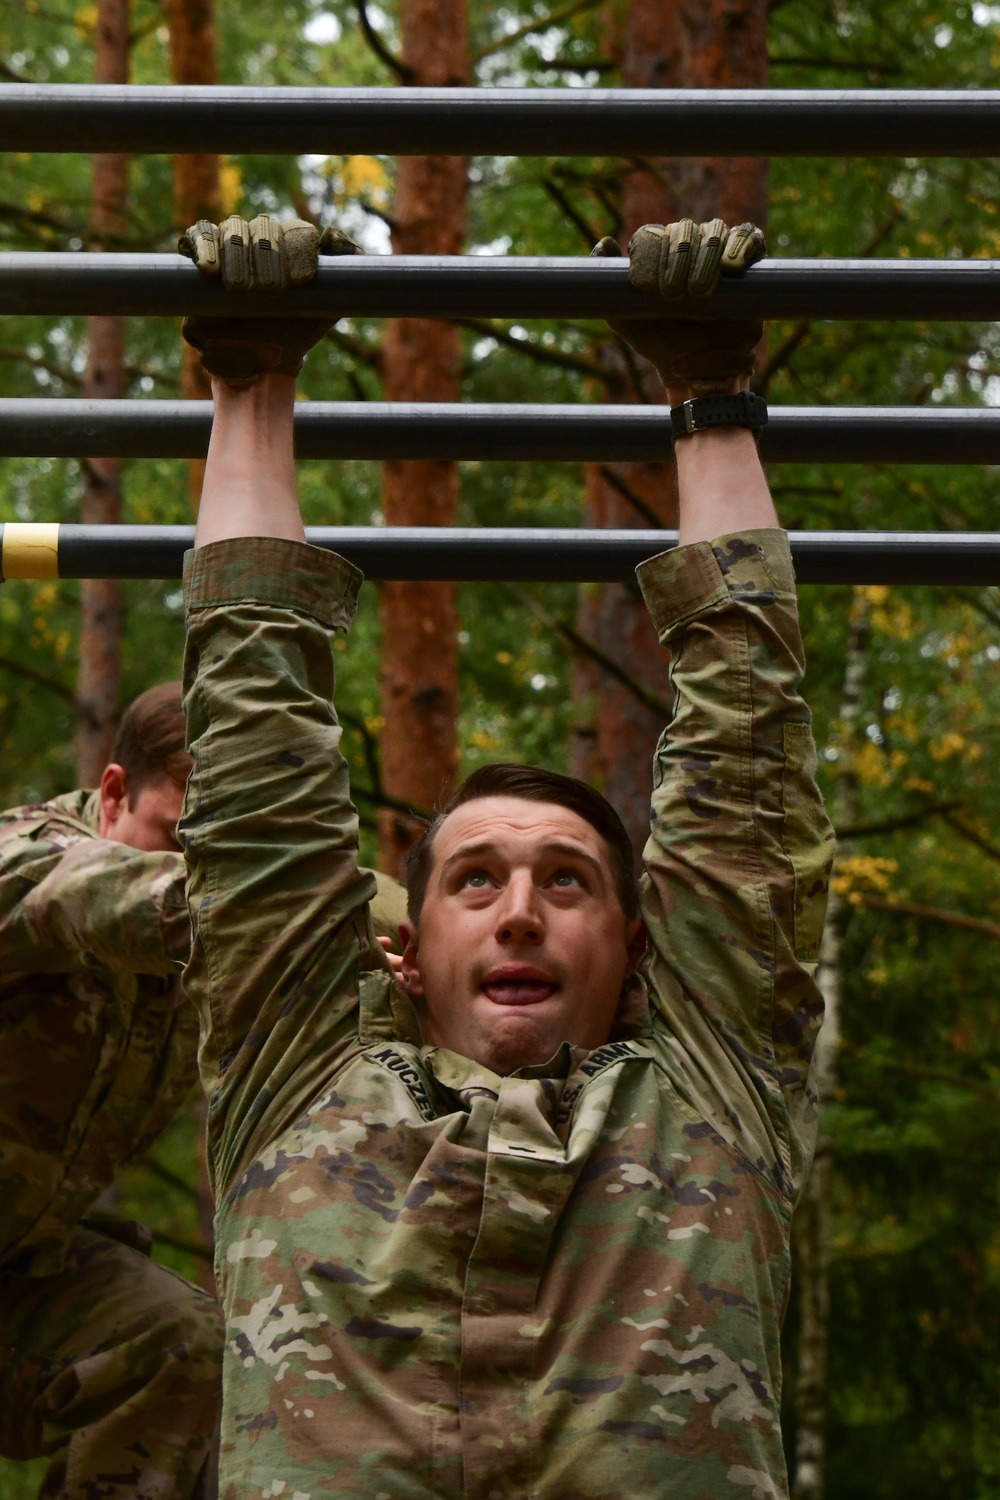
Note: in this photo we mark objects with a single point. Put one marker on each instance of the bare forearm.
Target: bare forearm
(249, 487)
(721, 483)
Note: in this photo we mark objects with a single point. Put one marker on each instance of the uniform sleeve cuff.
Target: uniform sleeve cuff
(271, 570)
(703, 576)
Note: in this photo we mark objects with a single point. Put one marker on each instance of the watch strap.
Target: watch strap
(743, 409)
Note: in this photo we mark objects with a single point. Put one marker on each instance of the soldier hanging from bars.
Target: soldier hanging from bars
(513, 1223)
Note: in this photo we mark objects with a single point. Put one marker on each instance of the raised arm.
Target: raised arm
(740, 849)
(280, 926)
(65, 908)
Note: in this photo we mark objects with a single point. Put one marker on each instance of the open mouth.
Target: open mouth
(518, 986)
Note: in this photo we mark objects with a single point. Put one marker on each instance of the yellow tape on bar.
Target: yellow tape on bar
(30, 549)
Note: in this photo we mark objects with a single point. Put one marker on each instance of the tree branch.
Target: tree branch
(917, 1070)
(394, 804)
(395, 64)
(579, 643)
(538, 352)
(197, 1248)
(542, 23)
(779, 359)
(781, 356)
(364, 353)
(378, 213)
(974, 599)
(634, 370)
(836, 65)
(12, 74)
(165, 1175)
(932, 914)
(893, 825)
(376, 794)
(628, 493)
(39, 679)
(38, 362)
(588, 234)
(972, 837)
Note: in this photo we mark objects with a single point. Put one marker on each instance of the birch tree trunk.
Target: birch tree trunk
(812, 1230)
(197, 189)
(420, 362)
(99, 675)
(708, 44)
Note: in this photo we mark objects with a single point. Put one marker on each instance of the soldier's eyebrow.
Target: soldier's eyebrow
(485, 847)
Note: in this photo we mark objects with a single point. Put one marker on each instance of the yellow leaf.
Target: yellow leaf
(85, 20)
(869, 763)
(364, 176)
(862, 872)
(230, 186)
(947, 745)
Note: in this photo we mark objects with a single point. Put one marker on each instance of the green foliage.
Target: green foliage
(915, 1362)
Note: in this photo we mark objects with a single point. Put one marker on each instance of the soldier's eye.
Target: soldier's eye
(477, 879)
(566, 878)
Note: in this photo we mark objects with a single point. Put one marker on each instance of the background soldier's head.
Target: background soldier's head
(142, 787)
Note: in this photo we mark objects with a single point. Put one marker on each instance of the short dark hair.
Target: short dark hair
(149, 745)
(531, 784)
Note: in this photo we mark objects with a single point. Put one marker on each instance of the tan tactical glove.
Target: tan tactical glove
(263, 255)
(675, 261)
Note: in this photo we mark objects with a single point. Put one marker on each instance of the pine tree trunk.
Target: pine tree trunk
(420, 362)
(812, 1230)
(99, 674)
(197, 190)
(708, 44)
(197, 195)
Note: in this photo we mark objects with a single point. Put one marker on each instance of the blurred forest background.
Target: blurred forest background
(893, 1331)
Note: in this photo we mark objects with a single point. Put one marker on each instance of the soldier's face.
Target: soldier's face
(522, 942)
(147, 821)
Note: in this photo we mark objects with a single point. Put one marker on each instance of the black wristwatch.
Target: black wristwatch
(741, 410)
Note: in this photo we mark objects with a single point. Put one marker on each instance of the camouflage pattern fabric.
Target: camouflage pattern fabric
(113, 1367)
(98, 1046)
(97, 1051)
(388, 907)
(566, 1284)
(97, 1043)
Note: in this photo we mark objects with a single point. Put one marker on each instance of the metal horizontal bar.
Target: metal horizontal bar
(55, 283)
(77, 428)
(505, 122)
(503, 555)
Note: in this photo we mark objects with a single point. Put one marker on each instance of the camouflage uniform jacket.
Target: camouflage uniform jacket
(440, 1283)
(97, 1043)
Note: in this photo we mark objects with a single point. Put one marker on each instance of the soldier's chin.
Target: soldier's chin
(517, 1040)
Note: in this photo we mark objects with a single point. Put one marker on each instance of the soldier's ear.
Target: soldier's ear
(638, 939)
(409, 975)
(114, 799)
